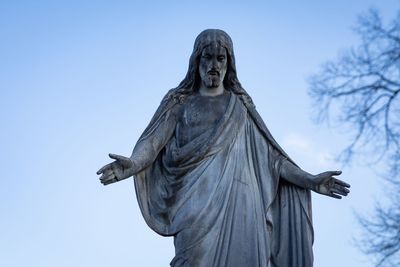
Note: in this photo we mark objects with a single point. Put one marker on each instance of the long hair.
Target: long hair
(190, 84)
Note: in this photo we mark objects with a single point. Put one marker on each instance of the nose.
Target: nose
(214, 64)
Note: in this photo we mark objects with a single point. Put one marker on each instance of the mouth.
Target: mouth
(213, 72)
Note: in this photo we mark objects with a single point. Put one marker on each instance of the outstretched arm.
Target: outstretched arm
(144, 153)
(323, 183)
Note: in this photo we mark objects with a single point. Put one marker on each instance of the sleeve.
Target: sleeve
(155, 137)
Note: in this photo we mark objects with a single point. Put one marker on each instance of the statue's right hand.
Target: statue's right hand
(116, 171)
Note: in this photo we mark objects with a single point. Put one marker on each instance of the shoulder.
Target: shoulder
(174, 102)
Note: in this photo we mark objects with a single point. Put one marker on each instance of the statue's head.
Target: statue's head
(212, 62)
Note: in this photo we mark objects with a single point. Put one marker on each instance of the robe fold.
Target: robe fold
(221, 195)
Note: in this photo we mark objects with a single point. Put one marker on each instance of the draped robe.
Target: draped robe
(221, 195)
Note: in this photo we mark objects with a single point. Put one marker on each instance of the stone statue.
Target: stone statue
(208, 172)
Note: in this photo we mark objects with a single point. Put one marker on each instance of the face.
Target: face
(213, 65)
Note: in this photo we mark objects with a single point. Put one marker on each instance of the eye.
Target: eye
(221, 58)
(206, 56)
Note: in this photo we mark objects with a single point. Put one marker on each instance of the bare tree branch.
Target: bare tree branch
(361, 89)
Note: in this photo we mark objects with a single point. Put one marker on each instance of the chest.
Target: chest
(199, 114)
(203, 111)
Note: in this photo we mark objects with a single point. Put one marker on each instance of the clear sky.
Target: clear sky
(80, 79)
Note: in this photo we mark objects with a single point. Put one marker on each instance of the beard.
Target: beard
(212, 81)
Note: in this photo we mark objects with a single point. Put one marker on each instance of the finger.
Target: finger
(335, 196)
(106, 177)
(338, 191)
(102, 169)
(342, 188)
(332, 173)
(107, 172)
(116, 157)
(110, 181)
(103, 177)
(126, 162)
(106, 182)
(340, 182)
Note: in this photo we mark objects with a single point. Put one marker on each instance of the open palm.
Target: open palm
(115, 171)
(326, 184)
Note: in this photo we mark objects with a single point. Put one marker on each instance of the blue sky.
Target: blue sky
(80, 79)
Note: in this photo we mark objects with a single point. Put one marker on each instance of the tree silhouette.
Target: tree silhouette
(361, 89)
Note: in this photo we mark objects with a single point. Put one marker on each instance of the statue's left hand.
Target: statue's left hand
(325, 184)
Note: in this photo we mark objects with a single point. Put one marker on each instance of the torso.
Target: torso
(198, 114)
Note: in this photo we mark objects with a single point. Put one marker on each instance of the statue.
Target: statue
(208, 172)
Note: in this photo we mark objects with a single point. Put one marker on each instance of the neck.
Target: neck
(211, 91)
